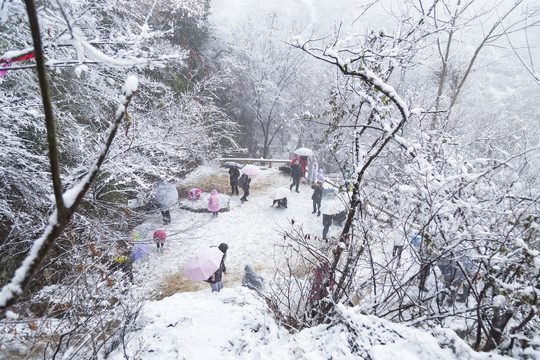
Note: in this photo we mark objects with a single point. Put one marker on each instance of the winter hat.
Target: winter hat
(214, 192)
(223, 247)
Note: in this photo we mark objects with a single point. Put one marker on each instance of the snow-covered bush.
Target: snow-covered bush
(413, 172)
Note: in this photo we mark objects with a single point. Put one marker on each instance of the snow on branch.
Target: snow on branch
(58, 220)
(86, 50)
(332, 55)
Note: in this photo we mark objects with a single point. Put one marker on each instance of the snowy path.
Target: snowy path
(250, 229)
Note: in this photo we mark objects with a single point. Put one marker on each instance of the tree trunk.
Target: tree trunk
(496, 330)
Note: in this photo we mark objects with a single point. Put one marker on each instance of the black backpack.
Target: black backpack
(242, 181)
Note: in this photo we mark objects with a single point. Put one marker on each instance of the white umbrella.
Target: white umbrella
(303, 152)
(251, 170)
(280, 193)
(166, 194)
(333, 207)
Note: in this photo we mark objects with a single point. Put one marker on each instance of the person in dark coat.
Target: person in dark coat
(340, 217)
(317, 197)
(326, 221)
(280, 202)
(244, 184)
(234, 174)
(215, 280)
(166, 215)
(296, 173)
(453, 276)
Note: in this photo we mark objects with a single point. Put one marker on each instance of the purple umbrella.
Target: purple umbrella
(251, 170)
(139, 250)
(204, 264)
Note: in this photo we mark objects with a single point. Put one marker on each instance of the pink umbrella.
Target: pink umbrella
(204, 264)
(251, 170)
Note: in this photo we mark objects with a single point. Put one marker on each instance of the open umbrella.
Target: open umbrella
(141, 232)
(251, 170)
(166, 194)
(139, 250)
(333, 207)
(303, 152)
(204, 264)
(230, 164)
(280, 193)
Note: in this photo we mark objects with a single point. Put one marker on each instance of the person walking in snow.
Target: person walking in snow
(320, 275)
(215, 280)
(317, 197)
(159, 238)
(326, 221)
(453, 277)
(166, 215)
(234, 174)
(244, 184)
(122, 263)
(296, 173)
(213, 203)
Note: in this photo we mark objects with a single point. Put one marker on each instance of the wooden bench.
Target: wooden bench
(252, 160)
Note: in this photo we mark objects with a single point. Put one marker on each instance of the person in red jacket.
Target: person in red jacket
(159, 238)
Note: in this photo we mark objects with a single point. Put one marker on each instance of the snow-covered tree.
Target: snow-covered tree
(89, 49)
(422, 196)
(265, 71)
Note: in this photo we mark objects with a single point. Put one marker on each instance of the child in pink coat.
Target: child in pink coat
(213, 203)
(159, 238)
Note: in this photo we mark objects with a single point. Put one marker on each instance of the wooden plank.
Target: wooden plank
(250, 160)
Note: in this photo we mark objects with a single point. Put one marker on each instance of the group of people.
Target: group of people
(236, 180)
(456, 268)
(124, 263)
(455, 273)
(298, 170)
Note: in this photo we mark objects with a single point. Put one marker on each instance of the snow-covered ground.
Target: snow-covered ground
(250, 230)
(187, 321)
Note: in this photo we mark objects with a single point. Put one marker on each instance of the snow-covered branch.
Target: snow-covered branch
(58, 220)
